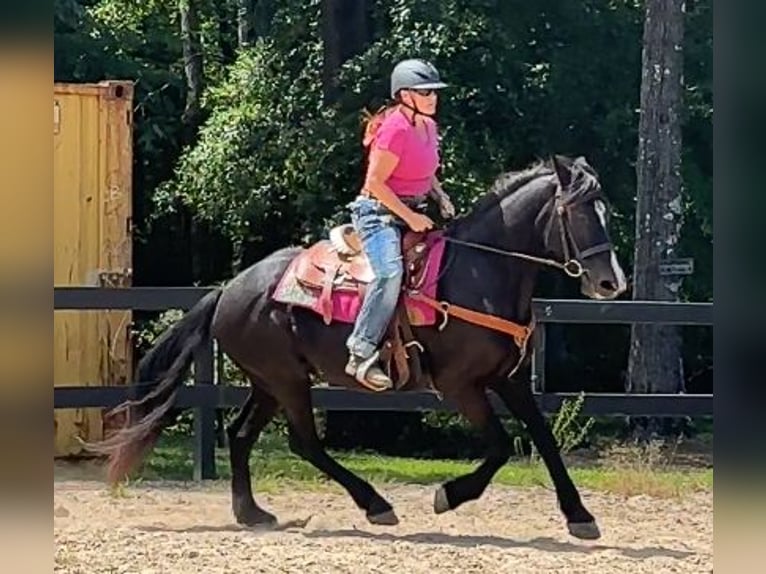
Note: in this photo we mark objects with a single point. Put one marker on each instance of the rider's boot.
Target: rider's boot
(368, 372)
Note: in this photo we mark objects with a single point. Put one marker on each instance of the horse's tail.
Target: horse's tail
(164, 367)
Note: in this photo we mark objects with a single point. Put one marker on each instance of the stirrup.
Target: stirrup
(362, 370)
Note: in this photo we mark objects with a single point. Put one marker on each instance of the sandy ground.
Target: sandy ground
(188, 528)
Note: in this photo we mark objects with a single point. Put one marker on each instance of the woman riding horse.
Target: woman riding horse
(403, 160)
(553, 213)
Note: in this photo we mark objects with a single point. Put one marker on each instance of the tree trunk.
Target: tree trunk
(253, 20)
(345, 31)
(226, 38)
(245, 22)
(192, 114)
(193, 68)
(655, 352)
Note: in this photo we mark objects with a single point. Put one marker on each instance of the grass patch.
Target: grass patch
(635, 471)
(662, 484)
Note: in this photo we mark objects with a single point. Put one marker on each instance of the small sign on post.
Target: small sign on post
(679, 266)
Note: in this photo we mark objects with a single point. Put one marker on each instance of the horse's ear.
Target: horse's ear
(581, 162)
(563, 170)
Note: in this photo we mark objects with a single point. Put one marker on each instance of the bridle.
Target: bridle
(572, 266)
(561, 209)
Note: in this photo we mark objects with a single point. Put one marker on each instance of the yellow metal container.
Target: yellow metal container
(92, 157)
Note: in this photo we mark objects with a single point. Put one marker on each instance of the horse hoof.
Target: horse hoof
(584, 530)
(441, 504)
(387, 518)
(256, 518)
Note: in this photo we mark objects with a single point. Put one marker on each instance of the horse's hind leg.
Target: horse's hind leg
(520, 401)
(305, 443)
(243, 432)
(472, 403)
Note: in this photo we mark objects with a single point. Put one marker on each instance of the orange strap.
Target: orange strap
(519, 333)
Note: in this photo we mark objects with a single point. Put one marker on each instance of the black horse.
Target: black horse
(550, 210)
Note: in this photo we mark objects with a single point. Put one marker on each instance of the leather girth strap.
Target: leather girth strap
(398, 350)
(410, 348)
(520, 333)
(325, 297)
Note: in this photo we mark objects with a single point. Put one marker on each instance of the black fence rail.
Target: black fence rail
(208, 394)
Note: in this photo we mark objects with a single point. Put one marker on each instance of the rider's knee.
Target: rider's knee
(391, 270)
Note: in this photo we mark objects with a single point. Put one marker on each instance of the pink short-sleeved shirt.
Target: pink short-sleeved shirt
(418, 157)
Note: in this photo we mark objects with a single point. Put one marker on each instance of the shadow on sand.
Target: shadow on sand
(543, 544)
(202, 528)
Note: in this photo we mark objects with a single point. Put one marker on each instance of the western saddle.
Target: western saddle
(339, 264)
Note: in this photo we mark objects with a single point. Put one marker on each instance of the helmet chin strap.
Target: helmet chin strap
(415, 110)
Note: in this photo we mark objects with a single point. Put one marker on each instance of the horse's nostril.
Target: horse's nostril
(608, 286)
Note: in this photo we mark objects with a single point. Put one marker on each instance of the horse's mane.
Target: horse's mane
(503, 186)
(509, 182)
(585, 180)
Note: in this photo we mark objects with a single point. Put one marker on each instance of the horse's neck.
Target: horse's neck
(499, 284)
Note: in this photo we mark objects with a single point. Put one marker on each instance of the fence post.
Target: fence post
(204, 417)
(538, 359)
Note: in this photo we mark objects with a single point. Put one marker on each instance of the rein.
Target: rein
(572, 266)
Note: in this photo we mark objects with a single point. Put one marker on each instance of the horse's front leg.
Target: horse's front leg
(520, 401)
(304, 442)
(472, 403)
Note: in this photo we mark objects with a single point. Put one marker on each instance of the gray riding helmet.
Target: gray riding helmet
(415, 74)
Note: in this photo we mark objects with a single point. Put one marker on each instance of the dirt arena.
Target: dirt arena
(188, 528)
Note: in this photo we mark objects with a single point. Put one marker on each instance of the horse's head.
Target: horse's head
(575, 230)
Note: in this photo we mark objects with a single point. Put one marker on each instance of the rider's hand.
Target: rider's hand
(446, 208)
(419, 222)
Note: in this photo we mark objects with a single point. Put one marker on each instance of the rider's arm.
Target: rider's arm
(381, 165)
(436, 188)
(441, 198)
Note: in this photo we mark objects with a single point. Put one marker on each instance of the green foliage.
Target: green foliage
(259, 160)
(137, 41)
(522, 87)
(268, 161)
(275, 165)
(697, 232)
(146, 336)
(567, 428)
(277, 469)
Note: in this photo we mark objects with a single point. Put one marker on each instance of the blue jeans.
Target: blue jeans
(379, 232)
